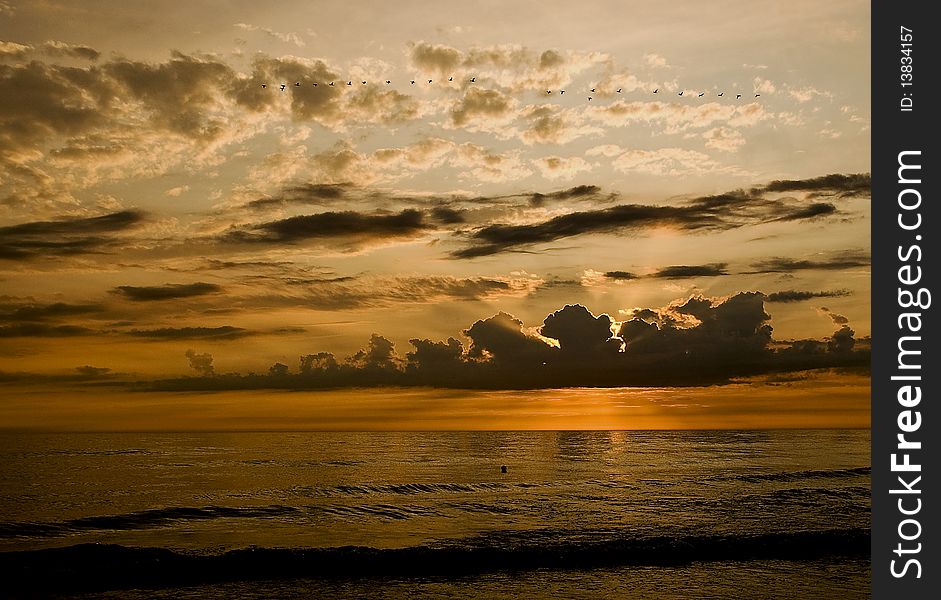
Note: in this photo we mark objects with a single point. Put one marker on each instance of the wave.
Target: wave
(97, 567)
(797, 475)
(162, 517)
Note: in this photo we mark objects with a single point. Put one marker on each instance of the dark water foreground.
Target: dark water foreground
(578, 514)
(90, 567)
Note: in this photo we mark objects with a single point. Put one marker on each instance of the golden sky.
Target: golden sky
(167, 210)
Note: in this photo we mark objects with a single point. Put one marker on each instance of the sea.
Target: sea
(576, 514)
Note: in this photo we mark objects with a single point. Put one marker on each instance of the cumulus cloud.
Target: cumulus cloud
(201, 363)
(696, 341)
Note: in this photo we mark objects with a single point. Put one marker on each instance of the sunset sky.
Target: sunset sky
(167, 222)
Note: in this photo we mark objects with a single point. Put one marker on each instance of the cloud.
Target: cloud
(42, 312)
(13, 49)
(558, 167)
(730, 210)
(817, 209)
(857, 184)
(483, 110)
(696, 341)
(308, 193)
(92, 372)
(170, 291)
(348, 293)
(621, 275)
(655, 60)
(685, 271)
(724, 139)
(56, 48)
(572, 193)
(66, 236)
(357, 228)
(800, 295)
(848, 260)
(43, 330)
(677, 117)
(201, 363)
(226, 332)
(290, 38)
(665, 161)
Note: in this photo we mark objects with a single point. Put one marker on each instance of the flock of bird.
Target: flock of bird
(283, 86)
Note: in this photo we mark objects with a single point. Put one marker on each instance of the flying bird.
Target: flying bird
(702, 94)
(450, 79)
(297, 83)
(656, 90)
(413, 82)
(473, 79)
(349, 82)
(331, 83)
(429, 81)
(592, 90)
(737, 96)
(315, 84)
(264, 85)
(282, 87)
(589, 98)
(548, 91)
(757, 95)
(680, 94)
(720, 94)
(387, 81)
(619, 90)
(364, 83)
(561, 92)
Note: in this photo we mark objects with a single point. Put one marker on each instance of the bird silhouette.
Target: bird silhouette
(702, 94)
(297, 83)
(315, 84)
(364, 83)
(619, 90)
(592, 90)
(561, 92)
(737, 96)
(656, 90)
(387, 81)
(548, 91)
(450, 79)
(589, 98)
(720, 94)
(349, 83)
(680, 94)
(331, 83)
(264, 85)
(413, 82)
(473, 79)
(429, 81)
(282, 87)
(757, 95)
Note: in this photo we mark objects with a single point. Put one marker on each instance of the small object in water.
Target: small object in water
(503, 469)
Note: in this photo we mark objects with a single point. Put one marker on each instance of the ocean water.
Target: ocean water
(411, 514)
